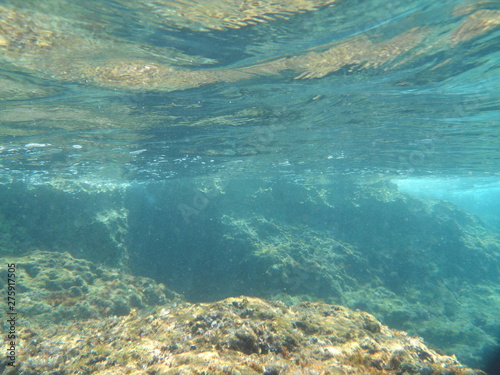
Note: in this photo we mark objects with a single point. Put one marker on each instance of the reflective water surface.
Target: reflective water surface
(154, 89)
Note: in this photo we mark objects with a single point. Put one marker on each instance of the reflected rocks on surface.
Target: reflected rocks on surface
(68, 51)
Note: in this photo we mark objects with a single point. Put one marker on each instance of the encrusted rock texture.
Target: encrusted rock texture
(423, 267)
(234, 336)
(55, 287)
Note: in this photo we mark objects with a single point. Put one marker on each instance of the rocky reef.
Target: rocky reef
(420, 266)
(89, 221)
(56, 287)
(424, 267)
(241, 335)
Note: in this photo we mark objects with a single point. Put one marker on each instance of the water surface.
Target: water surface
(157, 89)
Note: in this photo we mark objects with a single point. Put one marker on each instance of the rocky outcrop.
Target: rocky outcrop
(235, 336)
(424, 267)
(56, 287)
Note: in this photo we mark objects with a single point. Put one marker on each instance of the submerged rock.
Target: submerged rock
(234, 336)
(420, 266)
(424, 267)
(55, 287)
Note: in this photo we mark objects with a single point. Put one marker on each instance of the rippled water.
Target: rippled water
(128, 90)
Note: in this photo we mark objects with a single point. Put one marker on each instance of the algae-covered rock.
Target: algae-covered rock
(89, 224)
(423, 266)
(235, 336)
(56, 287)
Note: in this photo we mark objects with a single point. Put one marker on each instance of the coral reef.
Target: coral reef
(235, 336)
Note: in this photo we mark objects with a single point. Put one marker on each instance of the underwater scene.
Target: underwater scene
(286, 187)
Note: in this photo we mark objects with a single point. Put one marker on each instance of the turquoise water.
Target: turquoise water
(222, 129)
(431, 108)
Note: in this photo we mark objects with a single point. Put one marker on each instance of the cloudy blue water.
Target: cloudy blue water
(478, 196)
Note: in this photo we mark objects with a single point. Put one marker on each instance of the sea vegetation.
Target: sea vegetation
(56, 287)
(424, 267)
(88, 222)
(239, 335)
